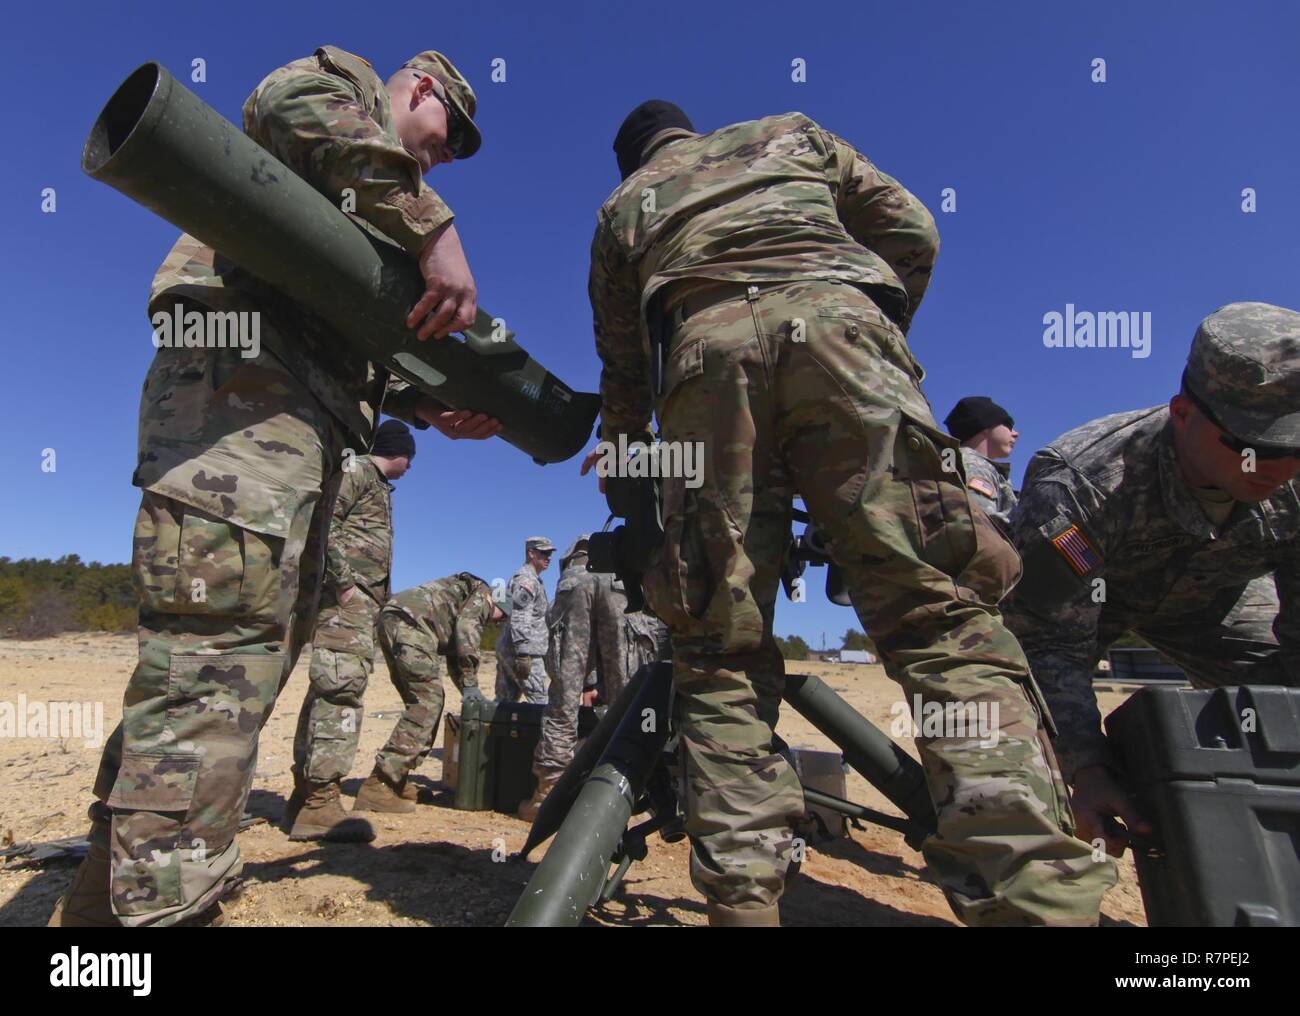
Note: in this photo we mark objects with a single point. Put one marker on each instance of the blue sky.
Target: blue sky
(1122, 196)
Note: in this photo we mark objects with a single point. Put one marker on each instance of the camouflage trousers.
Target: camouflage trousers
(622, 651)
(519, 676)
(342, 660)
(808, 388)
(227, 600)
(416, 672)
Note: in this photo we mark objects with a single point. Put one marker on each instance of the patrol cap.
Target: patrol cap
(1245, 366)
(578, 546)
(539, 543)
(459, 95)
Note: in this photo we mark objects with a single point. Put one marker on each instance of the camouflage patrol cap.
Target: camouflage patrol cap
(458, 93)
(1245, 366)
(539, 543)
(578, 546)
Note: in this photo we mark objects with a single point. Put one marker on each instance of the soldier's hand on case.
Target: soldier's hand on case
(450, 299)
(589, 697)
(458, 423)
(1097, 796)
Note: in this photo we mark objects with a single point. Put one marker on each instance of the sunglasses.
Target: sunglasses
(455, 130)
(1239, 445)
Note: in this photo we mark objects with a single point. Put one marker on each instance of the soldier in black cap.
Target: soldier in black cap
(987, 433)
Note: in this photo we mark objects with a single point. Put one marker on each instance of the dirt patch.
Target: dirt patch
(436, 866)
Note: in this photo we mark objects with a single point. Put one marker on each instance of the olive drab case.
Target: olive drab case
(487, 754)
(164, 147)
(1217, 773)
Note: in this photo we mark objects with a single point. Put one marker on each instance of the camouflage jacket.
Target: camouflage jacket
(590, 628)
(1114, 540)
(453, 610)
(772, 200)
(359, 551)
(573, 653)
(329, 119)
(991, 490)
(527, 628)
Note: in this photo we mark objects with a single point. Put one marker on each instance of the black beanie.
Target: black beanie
(973, 414)
(393, 440)
(643, 123)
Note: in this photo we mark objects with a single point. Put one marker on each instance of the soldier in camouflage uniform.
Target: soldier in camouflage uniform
(235, 458)
(776, 271)
(359, 557)
(986, 432)
(588, 629)
(1180, 523)
(444, 617)
(521, 649)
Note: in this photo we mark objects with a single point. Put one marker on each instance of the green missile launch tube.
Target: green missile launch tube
(879, 760)
(570, 877)
(556, 806)
(164, 147)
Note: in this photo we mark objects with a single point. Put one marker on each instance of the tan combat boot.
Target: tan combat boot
(381, 794)
(747, 917)
(546, 781)
(321, 817)
(86, 904)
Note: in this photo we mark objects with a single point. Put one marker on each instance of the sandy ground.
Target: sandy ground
(433, 867)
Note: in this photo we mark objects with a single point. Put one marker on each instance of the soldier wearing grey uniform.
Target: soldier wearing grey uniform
(986, 432)
(1180, 523)
(521, 649)
(589, 628)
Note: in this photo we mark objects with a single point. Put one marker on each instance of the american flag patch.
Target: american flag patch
(1077, 551)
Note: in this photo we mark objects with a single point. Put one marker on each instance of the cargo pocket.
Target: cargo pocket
(677, 584)
(188, 562)
(942, 525)
(150, 802)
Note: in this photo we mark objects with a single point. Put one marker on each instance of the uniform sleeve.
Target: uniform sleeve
(338, 573)
(522, 596)
(883, 216)
(400, 400)
(1287, 625)
(316, 124)
(575, 655)
(1055, 609)
(615, 292)
(464, 659)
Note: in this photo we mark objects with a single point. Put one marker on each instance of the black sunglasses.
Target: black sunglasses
(1238, 445)
(455, 130)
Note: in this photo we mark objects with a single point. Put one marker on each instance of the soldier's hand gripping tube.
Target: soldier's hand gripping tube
(161, 145)
(577, 865)
(866, 748)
